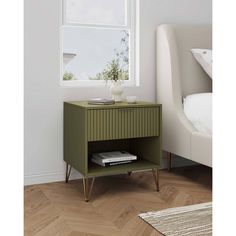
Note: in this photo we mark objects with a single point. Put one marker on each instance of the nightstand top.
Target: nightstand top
(84, 104)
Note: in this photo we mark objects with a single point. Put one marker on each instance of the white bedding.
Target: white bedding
(198, 110)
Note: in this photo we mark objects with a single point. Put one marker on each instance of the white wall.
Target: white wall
(43, 95)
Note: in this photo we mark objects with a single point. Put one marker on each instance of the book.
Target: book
(101, 101)
(106, 157)
(98, 162)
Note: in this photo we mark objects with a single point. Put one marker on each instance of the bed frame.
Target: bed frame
(179, 75)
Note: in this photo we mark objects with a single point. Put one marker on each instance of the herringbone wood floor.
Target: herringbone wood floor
(58, 209)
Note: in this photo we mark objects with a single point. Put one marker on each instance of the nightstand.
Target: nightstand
(89, 129)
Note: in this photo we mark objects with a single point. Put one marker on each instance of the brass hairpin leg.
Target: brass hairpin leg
(169, 160)
(87, 188)
(68, 171)
(155, 173)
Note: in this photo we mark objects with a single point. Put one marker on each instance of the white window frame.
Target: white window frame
(132, 25)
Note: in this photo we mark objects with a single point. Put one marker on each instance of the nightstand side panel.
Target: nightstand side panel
(75, 137)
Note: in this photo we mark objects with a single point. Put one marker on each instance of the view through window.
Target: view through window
(97, 35)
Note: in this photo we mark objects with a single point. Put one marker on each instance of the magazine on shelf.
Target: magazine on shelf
(109, 163)
(106, 157)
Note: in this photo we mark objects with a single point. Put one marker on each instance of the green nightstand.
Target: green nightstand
(89, 129)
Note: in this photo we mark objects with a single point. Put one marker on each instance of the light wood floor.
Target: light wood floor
(58, 209)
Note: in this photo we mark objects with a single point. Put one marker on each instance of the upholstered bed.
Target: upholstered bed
(179, 75)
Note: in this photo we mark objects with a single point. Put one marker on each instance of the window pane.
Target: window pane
(101, 12)
(88, 52)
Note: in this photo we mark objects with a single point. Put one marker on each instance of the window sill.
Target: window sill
(96, 84)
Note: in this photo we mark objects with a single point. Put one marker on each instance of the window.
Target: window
(96, 34)
(96, 12)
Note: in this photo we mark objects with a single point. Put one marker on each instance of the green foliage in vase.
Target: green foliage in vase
(118, 68)
(68, 76)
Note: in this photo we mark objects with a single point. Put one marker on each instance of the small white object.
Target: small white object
(198, 110)
(204, 58)
(131, 99)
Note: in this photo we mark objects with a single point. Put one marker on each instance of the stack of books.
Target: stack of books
(101, 101)
(113, 158)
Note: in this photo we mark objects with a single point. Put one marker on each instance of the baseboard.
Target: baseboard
(49, 177)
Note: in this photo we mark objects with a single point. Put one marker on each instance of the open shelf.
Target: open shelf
(96, 170)
(146, 149)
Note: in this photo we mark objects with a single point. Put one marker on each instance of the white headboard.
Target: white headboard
(178, 75)
(187, 75)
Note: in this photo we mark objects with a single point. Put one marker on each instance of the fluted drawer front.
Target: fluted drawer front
(120, 123)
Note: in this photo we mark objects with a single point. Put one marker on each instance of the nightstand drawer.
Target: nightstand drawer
(121, 123)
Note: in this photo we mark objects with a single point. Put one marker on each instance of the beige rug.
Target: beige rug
(191, 220)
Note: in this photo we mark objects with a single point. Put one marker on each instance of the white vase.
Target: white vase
(117, 91)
